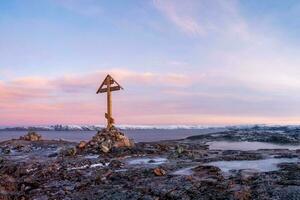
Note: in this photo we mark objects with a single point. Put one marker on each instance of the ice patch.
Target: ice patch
(89, 166)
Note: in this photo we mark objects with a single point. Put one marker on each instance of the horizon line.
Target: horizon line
(152, 125)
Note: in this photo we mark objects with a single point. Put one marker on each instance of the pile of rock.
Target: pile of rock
(106, 139)
(31, 136)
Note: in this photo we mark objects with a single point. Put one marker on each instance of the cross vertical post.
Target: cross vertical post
(111, 85)
(109, 106)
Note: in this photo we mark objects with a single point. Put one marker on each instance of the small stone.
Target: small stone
(81, 145)
(159, 172)
(123, 142)
(6, 151)
(189, 178)
(116, 164)
(179, 150)
(71, 152)
(104, 148)
(52, 155)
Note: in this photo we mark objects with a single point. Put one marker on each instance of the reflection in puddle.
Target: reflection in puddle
(152, 161)
(264, 165)
(246, 146)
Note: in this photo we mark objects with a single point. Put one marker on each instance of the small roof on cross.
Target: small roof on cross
(114, 85)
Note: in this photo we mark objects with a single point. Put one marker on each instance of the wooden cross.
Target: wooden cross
(111, 85)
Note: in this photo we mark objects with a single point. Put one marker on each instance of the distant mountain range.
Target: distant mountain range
(97, 127)
(60, 127)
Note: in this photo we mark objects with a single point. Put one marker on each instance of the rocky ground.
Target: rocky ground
(111, 167)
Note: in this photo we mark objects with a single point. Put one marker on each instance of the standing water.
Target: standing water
(264, 165)
(247, 146)
(139, 135)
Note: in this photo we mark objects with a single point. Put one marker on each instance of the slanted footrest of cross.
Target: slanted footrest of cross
(112, 121)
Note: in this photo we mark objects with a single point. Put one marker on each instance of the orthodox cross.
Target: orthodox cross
(111, 85)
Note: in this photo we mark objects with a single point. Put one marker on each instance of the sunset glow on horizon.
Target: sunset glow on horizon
(180, 62)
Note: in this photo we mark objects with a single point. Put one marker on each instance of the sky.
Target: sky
(207, 62)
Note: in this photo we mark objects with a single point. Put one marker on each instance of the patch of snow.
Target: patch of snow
(89, 166)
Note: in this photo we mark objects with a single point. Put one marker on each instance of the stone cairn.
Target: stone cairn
(106, 139)
(31, 136)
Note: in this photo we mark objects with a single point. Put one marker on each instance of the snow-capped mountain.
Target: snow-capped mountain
(60, 127)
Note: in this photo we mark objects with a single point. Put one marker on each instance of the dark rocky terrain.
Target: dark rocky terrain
(32, 168)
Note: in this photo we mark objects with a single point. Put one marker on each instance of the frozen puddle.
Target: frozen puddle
(152, 161)
(264, 165)
(247, 146)
(91, 156)
(121, 170)
(184, 171)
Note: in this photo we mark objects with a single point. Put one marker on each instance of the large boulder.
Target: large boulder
(31, 136)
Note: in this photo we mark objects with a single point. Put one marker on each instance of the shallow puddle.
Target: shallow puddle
(121, 170)
(151, 161)
(91, 156)
(187, 171)
(246, 146)
(264, 165)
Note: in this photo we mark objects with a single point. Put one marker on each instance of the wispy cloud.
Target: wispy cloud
(205, 17)
(187, 23)
(248, 56)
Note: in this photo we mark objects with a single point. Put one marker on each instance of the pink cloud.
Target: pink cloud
(149, 98)
(127, 77)
(30, 82)
(18, 90)
(72, 98)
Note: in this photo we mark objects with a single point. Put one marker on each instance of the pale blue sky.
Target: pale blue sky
(188, 62)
